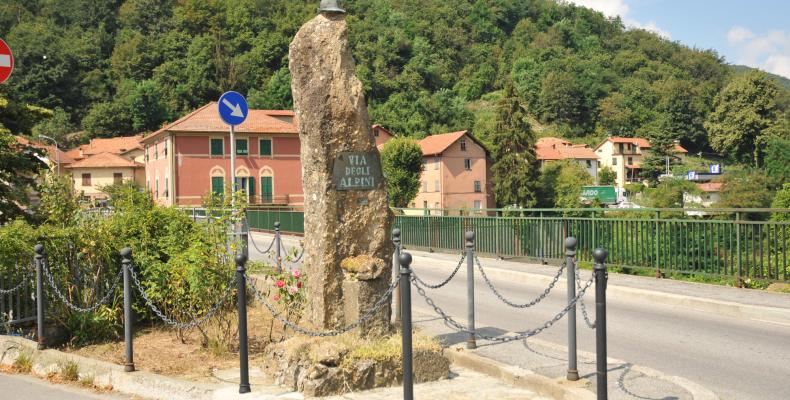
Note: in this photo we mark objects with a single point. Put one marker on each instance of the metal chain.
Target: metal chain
(587, 321)
(502, 339)
(446, 281)
(195, 320)
(258, 248)
(25, 279)
(525, 305)
(364, 318)
(285, 251)
(62, 297)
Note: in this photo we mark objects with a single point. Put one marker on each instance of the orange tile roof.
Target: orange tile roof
(641, 142)
(116, 145)
(435, 144)
(551, 141)
(207, 119)
(105, 160)
(710, 187)
(53, 153)
(551, 148)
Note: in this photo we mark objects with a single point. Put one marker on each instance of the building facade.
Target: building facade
(456, 173)
(624, 156)
(549, 149)
(189, 158)
(104, 162)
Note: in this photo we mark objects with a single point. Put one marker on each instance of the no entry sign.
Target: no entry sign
(6, 61)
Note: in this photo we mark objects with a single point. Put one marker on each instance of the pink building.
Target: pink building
(381, 134)
(190, 157)
(456, 173)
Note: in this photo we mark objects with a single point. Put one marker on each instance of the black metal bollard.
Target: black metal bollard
(128, 317)
(599, 255)
(395, 269)
(244, 372)
(570, 264)
(244, 236)
(39, 249)
(404, 261)
(471, 343)
(278, 246)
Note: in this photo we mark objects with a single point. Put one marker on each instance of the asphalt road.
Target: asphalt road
(736, 359)
(21, 387)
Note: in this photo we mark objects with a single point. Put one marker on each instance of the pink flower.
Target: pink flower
(293, 289)
(276, 297)
(296, 273)
(280, 283)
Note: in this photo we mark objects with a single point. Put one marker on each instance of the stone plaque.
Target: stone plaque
(356, 171)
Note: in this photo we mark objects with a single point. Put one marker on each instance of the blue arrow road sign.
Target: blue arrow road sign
(233, 108)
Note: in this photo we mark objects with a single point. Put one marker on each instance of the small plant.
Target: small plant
(87, 380)
(23, 363)
(70, 371)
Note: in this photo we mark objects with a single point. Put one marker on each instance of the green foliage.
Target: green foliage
(745, 189)
(515, 171)
(401, 162)
(58, 126)
(23, 362)
(777, 161)
(275, 95)
(606, 176)
(668, 193)
(745, 117)
(561, 184)
(781, 200)
(69, 371)
(20, 165)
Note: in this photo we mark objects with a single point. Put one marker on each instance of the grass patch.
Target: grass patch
(87, 381)
(69, 371)
(23, 363)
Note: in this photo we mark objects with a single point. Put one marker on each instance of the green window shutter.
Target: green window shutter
(241, 147)
(216, 147)
(266, 147)
(218, 185)
(251, 187)
(267, 190)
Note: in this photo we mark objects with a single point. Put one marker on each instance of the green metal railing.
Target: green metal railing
(743, 243)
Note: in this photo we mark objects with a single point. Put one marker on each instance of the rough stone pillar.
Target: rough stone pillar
(348, 216)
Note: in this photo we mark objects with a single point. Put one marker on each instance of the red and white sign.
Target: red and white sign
(6, 61)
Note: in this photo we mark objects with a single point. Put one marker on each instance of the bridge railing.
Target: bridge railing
(726, 243)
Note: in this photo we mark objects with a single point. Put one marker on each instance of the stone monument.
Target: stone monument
(346, 216)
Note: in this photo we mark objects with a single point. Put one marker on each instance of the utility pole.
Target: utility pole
(57, 154)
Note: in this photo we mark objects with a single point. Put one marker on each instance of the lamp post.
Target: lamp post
(57, 155)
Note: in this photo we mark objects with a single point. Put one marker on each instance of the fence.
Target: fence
(17, 294)
(742, 243)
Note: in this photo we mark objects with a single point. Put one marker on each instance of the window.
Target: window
(241, 147)
(86, 179)
(478, 188)
(164, 153)
(425, 204)
(156, 189)
(621, 148)
(375, 133)
(436, 163)
(266, 147)
(156, 152)
(145, 154)
(267, 189)
(217, 147)
(436, 187)
(478, 204)
(630, 161)
(424, 186)
(218, 185)
(117, 178)
(614, 160)
(167, 187)
(589, 163)
(463, 144)
(467, 164)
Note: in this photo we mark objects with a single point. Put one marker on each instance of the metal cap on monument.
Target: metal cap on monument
(330, 6)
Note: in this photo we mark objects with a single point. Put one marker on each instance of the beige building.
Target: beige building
(549, 149)
(455, 173)
(104, 162)
(624, 156)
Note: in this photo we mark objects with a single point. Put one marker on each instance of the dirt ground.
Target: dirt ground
(161, 350)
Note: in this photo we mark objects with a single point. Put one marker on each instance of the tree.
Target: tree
(561, 184)
(745, 116)
(20, 166)
(276, 95)
(668, 193)
(515, 169)
(58, 126)
(401, 162)
(777, 153)
(782, 200)
(745, 189)
(606, 176)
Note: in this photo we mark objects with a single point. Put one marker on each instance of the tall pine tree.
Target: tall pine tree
(516, 170)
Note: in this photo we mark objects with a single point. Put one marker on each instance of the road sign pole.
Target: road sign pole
(232, 168)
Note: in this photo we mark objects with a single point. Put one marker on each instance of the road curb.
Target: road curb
(520, 377)
(137, 383)
(725, 308)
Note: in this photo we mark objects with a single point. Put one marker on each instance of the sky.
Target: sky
(754, 33)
